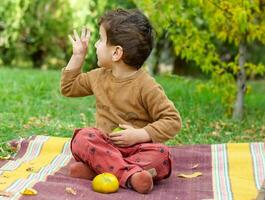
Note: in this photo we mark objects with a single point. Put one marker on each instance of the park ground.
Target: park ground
(31, 104)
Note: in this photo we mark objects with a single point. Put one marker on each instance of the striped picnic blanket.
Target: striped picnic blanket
(229, 171)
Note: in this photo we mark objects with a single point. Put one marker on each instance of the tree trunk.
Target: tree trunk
(157, 55)
(7, 55)
(180, 66)
(37, 59)
(241, 84)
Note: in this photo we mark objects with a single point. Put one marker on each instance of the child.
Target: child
(126, 97)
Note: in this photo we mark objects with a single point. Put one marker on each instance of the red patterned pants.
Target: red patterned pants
(92, 147)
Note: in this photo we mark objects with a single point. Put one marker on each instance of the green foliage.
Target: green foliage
(31, 104)
(44, 32)
(11, 15)
(199, 28)
(6, 151)
(34, 33)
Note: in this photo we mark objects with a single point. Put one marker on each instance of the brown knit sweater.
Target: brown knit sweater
(136, 100)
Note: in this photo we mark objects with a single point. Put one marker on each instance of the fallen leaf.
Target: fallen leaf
(194, 166)
(5, 194)
(29, 169)
(215, 133)
(70, 190)
(195, 174)
(15, 145)
(29, 191)
(228, 133)
(8, 157)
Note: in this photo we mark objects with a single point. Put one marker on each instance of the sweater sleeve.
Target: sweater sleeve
(166, 119)
(77, 84)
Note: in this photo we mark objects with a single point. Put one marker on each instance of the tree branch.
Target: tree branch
(219, 7)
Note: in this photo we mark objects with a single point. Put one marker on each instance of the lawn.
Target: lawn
(31, 103)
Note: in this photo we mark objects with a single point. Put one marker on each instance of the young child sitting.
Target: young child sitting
(127, 97)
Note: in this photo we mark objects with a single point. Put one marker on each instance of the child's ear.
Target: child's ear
(117, 53)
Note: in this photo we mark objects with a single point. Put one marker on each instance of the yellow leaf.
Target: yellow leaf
(29, 169)
(5, 194)
(29, 191)
(215, 133)
(70, 190)
(5, 157)
(195, 174)
(194, 166)
(4, 176)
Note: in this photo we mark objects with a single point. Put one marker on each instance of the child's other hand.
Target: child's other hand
(130, 136)
(80, 44)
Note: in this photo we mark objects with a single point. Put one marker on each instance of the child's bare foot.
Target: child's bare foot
(142, 182)
(80, 170)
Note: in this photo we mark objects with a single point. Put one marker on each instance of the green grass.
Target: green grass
(31, 104)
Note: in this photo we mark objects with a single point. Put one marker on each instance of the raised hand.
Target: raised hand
(80, 44)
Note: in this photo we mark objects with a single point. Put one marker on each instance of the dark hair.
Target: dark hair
(132, 31)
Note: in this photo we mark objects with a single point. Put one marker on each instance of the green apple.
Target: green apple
(117, 129)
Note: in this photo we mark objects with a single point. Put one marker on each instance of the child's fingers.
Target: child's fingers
(115, 135)
(71, 39)
(83, 34)
(88, 33)
(116, 139)
(77, 38)
(118, 142)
